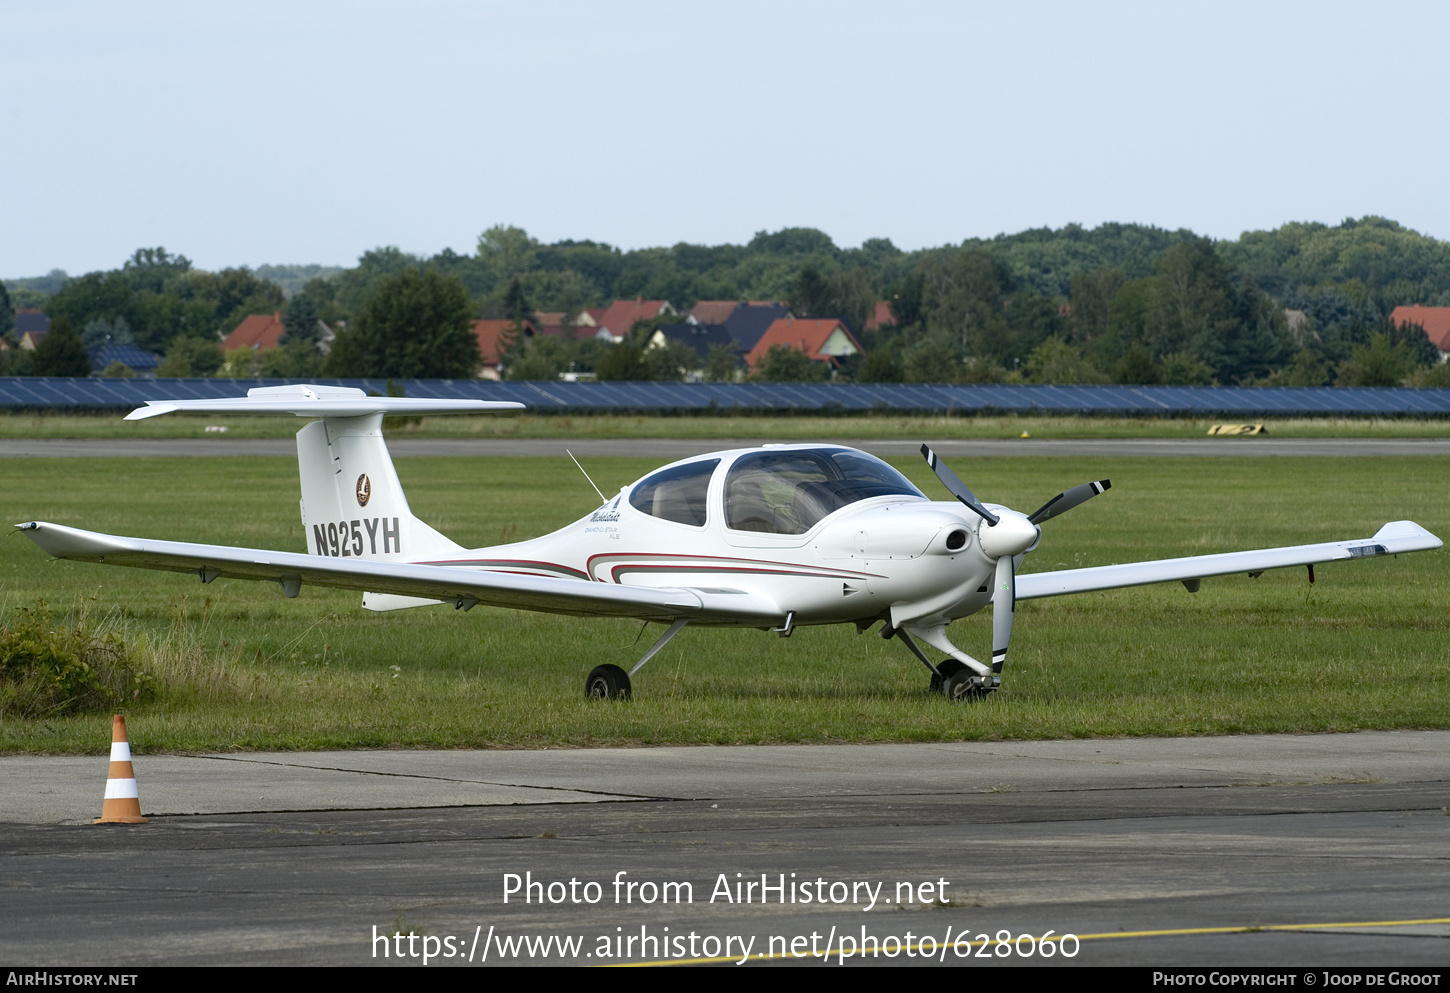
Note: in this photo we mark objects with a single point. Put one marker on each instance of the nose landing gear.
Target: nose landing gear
(959, 684)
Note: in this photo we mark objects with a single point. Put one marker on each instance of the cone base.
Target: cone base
(121, 820)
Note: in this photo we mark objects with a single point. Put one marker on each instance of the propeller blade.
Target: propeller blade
(956, 487)
(1064, 502)
(1004, 605)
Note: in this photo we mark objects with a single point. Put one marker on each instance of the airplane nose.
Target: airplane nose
(1013, 534)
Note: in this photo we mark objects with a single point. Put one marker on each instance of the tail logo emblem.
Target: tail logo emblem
(364, 490)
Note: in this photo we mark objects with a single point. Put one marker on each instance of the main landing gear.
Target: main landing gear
(607, 682)
(610, 682)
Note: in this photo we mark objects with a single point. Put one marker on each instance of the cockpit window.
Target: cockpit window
(788, 492)
(676, 494)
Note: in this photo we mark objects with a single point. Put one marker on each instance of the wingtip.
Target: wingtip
(152, 409)
(1408, 536)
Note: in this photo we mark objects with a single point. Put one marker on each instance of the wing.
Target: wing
(461, 587)
(1393, 538)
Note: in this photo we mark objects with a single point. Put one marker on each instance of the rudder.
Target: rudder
(352, 501)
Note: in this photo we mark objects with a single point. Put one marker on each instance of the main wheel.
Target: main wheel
(965, 685)
(607, 682)
(945, 669)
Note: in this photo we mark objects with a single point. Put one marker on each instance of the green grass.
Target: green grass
(769, 427)
(240, 667)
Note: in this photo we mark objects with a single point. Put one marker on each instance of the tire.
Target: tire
(964, 686)
(607, 682)
(947, 668)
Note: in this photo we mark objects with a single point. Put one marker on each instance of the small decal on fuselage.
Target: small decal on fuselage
(345, 539)
(364, 490)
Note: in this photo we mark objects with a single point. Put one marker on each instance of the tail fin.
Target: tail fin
(352, 502)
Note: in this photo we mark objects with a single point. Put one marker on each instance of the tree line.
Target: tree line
(1305, 304)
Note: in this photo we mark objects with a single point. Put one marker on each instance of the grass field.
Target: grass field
(240, 667)
(769, 427)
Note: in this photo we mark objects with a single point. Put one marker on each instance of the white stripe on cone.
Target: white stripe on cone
(122, 789)
(120, 751)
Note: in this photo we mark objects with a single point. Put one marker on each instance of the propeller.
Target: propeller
(1068, 499)
(1007, 536)
(1004, 606)
(957, 488)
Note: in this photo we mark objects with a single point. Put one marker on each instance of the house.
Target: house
(749, 321)
(823, 339)
(589, 317)
(139, 361)
(742, 323)
(1435, 321)
(880, 316)
(621, 316)
(257, 332)
(260, 332)
(579, 332)
(698, 337)
(711, 311)
(495, 337)
(30, 327)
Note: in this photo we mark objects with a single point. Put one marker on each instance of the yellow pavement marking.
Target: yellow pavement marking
(1237, 929)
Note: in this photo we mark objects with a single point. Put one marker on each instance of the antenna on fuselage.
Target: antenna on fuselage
(602, 497)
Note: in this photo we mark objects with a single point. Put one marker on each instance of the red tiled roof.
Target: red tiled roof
(881, 316)
(805, 335)
(713, 311)
(1435, 321)
(619, 316)
(495, 337)
(257, 332)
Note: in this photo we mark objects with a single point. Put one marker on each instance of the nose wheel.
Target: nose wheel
(959, 684)
(945, 669)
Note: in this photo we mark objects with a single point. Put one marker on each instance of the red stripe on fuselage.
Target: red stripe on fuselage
(497, 565)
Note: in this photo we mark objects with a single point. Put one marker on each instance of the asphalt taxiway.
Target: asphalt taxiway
(1184, 851)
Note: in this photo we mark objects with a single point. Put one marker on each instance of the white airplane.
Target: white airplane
(770, 538)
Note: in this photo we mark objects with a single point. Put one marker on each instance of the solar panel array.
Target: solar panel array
(92, 394)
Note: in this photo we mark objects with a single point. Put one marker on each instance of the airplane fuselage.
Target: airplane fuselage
(853, 564)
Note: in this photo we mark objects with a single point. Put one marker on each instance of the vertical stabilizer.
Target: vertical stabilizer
(352, 502)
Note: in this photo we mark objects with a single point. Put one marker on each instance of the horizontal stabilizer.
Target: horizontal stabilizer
(1393, 538)
(321, 401)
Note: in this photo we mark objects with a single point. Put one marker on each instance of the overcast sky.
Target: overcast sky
(262, 132)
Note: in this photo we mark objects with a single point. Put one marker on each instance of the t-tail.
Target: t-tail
(353, 504)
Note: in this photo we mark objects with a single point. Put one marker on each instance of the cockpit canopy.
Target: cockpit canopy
(788, 492)
(783, 492)
(676, 494)
(774, 492)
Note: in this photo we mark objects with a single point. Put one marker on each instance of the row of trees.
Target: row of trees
(1118, 303)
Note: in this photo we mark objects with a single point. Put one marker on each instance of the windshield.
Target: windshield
(789, 492)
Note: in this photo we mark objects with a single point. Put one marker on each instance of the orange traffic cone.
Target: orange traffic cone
(123, 801)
